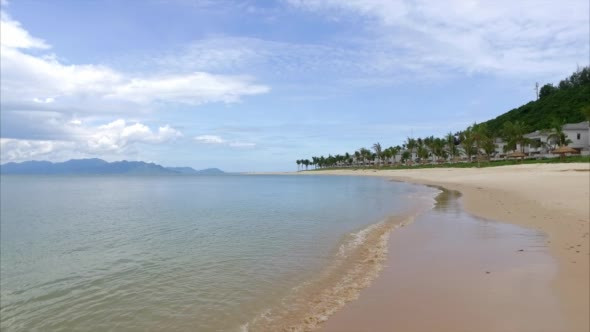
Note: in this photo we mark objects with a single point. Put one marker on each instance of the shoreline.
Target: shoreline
(552, 198)
(358, 260)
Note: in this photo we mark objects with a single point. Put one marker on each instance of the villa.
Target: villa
(578, 133)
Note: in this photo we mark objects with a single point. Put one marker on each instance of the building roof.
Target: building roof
(576, 126)
(537, 134)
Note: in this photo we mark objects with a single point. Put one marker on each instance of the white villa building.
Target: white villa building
(578, 133)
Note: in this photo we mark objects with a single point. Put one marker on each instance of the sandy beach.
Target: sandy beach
(550, 198)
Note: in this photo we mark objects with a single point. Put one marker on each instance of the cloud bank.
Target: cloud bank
(41, 81)
(45, 100)
(117, 138)
(501, 37)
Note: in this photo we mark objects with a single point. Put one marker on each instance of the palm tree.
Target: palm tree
(347, 159)
(466, 138)
(451, 147)
(298, 164)
(396, 150)
(314, 161)
(480, 137)
(365, 154)
(405, 156)
(438, 148)
(557, 135)
(378, 152)
(513, 134)
(357, 156)
(388, 154)
(489, 147)
(429, 142)
(411, 145)
(422, 152)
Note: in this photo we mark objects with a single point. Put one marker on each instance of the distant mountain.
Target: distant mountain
(99, 166)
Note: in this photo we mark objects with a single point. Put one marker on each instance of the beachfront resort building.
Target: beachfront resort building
(578, 133)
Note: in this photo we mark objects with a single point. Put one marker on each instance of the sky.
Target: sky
(255, 85)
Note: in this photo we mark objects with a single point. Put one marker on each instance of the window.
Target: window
(578, 135)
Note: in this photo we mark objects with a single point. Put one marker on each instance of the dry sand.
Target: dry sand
(552, 198)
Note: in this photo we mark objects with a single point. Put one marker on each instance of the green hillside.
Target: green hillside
(561, 102)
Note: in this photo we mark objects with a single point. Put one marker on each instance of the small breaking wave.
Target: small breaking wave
(358, 261)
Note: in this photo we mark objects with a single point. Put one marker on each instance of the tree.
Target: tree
(387, 154)
(422, 152)
(365, 154)
(557, 136)
(467, 142)
(411, 145)
(314, 161)
(396, 150)
(513, 135)
(405, 156)
(489, 147)
(452, 149)
(437, 147)
(546, 90)
(562, 102)
(378, 151)
(480, 137)
(298, 164)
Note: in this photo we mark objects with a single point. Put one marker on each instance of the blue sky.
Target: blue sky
(255, 85)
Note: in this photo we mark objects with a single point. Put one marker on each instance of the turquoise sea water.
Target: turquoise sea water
(195, 253)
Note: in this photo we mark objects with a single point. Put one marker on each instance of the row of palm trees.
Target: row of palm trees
(475, 142)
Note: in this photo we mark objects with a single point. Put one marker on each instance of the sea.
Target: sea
(192, 253)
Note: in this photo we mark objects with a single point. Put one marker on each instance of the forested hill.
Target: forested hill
(563, 102)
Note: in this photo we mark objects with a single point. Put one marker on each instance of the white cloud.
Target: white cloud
(505, 37)
(194, 88)
(41, 82)
(12, 35)
(19, 150)
(242, 144)
(44, 101)
(118, 135)
(218, 140)
(209, 139)
(114, 138)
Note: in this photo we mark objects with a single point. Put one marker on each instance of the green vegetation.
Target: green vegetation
(494, 163)
(568, 102)
(565, 102)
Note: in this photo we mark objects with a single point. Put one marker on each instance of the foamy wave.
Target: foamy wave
(359, 260)
(356, 239)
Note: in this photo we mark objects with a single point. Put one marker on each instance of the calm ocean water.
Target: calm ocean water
(202, 253)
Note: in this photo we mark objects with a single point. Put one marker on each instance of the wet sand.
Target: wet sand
(550, 198)
(451, 271)
(353, 267)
